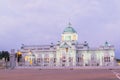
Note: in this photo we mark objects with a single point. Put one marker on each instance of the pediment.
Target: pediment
(65, 45)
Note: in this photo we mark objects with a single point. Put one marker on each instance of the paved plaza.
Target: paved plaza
(59, 74)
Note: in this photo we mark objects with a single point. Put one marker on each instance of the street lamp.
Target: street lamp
(19, 55)
(30, 58)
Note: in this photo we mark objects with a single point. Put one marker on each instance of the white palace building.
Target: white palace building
(67, 52)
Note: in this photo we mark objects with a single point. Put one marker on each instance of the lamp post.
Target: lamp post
(30, 58)
(19, 55)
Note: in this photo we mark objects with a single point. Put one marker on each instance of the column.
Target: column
(13, 61)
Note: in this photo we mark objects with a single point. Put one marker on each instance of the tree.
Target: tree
(6, 55)
(1, 55)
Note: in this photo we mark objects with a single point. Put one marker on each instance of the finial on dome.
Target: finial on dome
(69, 29)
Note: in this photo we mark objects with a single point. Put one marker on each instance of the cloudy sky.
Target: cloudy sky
(43, 21)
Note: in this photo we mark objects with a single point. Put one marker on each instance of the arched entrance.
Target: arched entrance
(30, 59)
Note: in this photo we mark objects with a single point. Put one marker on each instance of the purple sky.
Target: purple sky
(43, 21)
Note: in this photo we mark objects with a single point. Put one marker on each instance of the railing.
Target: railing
(67, 67)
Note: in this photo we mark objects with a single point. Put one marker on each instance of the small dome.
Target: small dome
(69, 29)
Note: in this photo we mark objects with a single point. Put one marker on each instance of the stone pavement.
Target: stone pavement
(58, 74)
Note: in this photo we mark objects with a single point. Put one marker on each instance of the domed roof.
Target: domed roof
(69, 29)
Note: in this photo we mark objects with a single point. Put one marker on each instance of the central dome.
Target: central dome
(69, 29)
(69, 34)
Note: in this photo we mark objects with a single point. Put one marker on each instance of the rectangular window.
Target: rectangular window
(46, 60)
(46, 48)
(70, 59)
(54, 60)
(39, 60)
(78, 59)
(106, 59)
(67, 37)
(39, 48)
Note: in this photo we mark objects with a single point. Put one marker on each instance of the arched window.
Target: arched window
(46, 58)
(93, 57)
(106, 57)
(80, 58)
